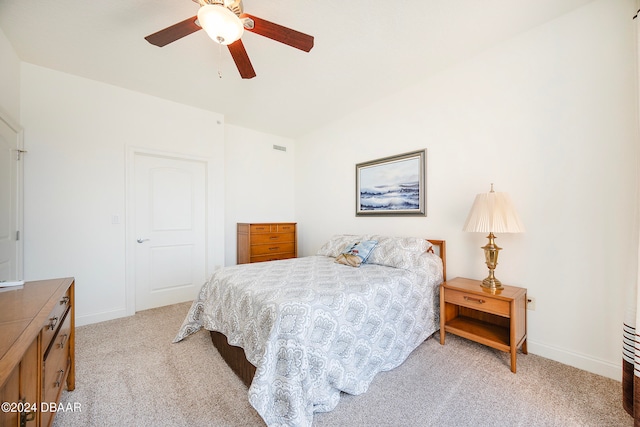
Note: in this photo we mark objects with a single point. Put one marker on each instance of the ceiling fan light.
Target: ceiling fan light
(221, 24)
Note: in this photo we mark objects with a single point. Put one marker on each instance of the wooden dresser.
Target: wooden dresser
(266, 241)
(36, 350)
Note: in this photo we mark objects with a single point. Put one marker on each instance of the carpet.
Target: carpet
(128, 373)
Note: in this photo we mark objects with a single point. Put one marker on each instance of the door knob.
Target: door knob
(142, 240)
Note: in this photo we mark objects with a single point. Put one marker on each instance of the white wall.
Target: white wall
(259, 181)
(9, 79)
(549, 117)
(77, 134)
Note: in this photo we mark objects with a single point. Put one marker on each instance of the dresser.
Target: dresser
(260, 242)
(36, 350)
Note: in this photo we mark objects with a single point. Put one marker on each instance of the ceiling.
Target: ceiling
(364, 50)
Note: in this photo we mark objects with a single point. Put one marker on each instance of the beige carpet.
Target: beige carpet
(130, 374)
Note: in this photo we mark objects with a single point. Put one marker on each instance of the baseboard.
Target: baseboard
(100, 317)
(577, 360)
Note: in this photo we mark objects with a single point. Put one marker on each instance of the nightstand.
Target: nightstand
(497, 320)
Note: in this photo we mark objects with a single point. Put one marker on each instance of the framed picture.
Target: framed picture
(393, 185)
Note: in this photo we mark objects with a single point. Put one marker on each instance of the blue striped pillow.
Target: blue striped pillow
(356, 253)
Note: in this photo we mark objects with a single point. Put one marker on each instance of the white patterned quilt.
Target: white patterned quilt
(314, 328)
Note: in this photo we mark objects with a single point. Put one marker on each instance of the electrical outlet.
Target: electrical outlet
(531, 303)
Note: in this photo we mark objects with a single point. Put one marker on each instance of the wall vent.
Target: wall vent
(279, 148)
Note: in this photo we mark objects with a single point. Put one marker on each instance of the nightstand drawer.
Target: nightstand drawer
(470, 300)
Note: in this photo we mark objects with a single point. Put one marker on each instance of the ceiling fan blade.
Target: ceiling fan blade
(240, 57)
(174, 32)
(280, 34)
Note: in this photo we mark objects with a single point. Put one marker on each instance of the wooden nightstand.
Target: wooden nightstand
(497, 320)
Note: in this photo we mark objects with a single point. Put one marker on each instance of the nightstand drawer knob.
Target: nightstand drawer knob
(476, 300)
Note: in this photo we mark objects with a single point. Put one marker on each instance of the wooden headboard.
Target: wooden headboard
(440, 250)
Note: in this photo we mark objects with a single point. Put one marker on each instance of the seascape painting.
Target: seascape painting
(391, 186)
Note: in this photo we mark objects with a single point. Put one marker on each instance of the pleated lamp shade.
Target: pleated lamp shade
(493, 213)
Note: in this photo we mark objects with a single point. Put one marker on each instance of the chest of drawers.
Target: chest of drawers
(259, 242)
(36, 350)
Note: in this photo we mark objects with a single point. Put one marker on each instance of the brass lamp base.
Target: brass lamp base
(491, 257)
(492, 283)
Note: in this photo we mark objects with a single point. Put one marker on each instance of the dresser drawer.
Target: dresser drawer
(285, 228)
(273, 257)
(272, 228)
(54, 319)
(273, 248)
(470, 300)
(268, 238)
(55, 368)
(262, 228)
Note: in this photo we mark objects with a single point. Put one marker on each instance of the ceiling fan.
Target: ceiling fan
(225, 21)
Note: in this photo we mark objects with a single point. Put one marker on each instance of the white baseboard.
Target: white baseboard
(577, 360)
(88, 319)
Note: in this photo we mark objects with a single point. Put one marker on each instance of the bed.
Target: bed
(301, 331)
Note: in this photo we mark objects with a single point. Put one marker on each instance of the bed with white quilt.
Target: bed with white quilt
(311, 327)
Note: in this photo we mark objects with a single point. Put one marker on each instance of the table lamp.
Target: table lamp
(492, 212)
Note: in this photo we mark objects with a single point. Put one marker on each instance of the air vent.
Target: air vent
(279, 148)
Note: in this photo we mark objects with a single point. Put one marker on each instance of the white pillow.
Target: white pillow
(338, 243)
(398, 252)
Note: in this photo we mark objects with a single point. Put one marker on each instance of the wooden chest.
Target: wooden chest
(266, 241)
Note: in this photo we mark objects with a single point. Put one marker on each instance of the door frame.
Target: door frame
(130, 248)
(4, 116)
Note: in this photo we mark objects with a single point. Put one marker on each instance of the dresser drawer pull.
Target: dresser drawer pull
(274, 248)
(476, 300)
(63, 340)
(64, 300)
(53, 321)
(274, 237)
(26, 415)
(59, 378)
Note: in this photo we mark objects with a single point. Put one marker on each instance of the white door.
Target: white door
(10, 207)
(170, 232)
